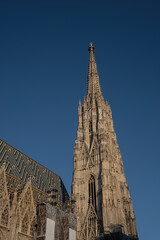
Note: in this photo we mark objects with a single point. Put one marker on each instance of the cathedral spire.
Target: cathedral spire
(93, 77)
(99, 188)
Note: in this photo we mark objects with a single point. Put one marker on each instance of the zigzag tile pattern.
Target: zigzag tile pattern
(21, 166)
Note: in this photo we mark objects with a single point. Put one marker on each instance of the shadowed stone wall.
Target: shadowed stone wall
(55, 224)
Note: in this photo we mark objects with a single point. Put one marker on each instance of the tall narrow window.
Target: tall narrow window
(90, 133)
(92, 192)
(90, 127)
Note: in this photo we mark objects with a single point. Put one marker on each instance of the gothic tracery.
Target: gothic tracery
(17, 213)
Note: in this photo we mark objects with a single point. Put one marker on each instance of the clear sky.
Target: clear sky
(43, 73)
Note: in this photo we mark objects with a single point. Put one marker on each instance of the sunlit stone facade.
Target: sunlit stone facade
(99, 187)
(34, 204)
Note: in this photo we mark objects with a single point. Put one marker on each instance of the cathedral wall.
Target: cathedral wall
(54, 223)
(19, 219)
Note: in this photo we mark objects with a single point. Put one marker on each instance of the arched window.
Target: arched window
(90, 133)
(92, 191)
(90, 127)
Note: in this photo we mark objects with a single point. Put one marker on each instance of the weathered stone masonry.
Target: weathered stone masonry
(99, 187)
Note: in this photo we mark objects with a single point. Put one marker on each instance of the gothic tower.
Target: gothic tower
(99, 188)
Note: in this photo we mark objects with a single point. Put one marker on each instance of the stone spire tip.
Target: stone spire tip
(91, 47)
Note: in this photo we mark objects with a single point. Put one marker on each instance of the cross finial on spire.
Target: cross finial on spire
(91, 47)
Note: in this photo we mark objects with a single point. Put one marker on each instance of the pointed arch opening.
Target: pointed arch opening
(90, 133)
(92, 191)
(90, 227)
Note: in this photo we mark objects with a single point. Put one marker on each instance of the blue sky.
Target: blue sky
(43, 73)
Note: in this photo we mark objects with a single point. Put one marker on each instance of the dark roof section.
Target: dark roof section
(21, 166)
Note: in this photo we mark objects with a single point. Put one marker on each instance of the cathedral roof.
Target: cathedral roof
(22, 166)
